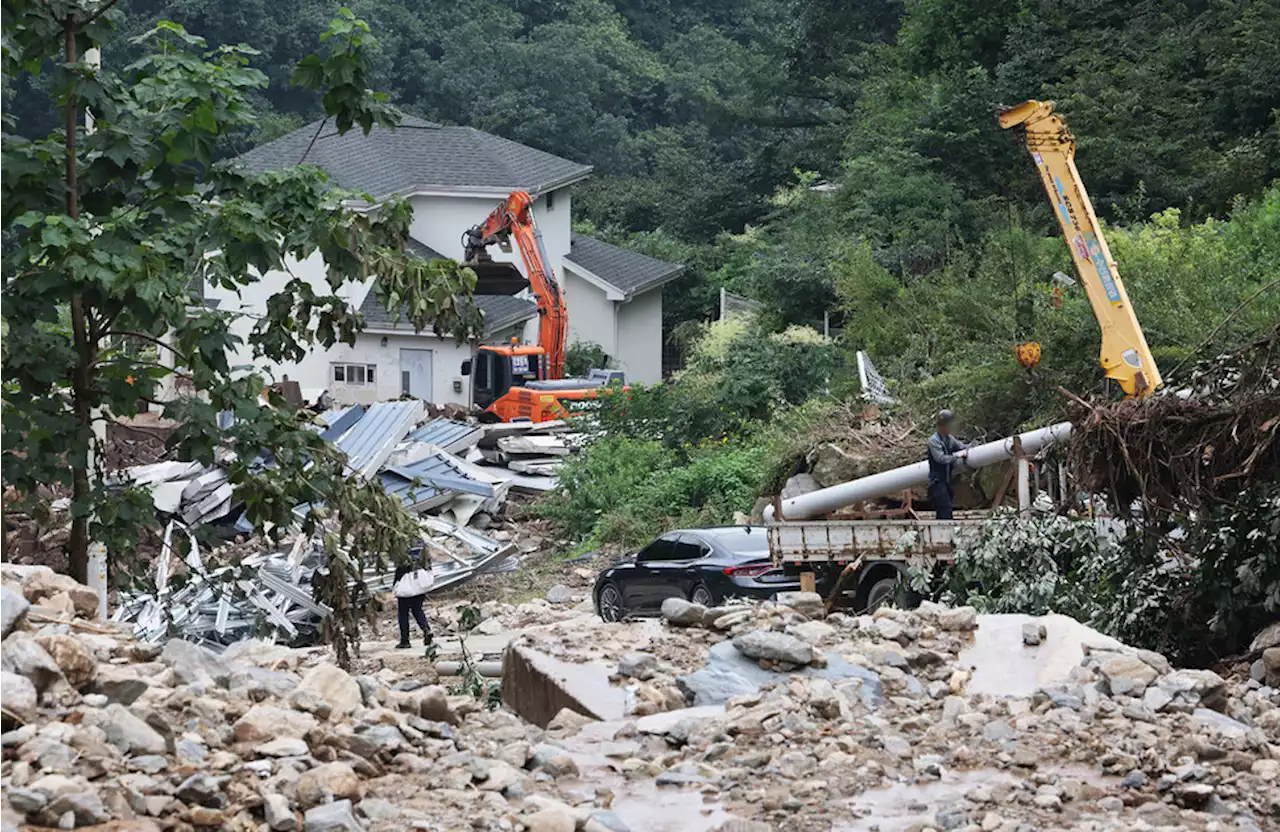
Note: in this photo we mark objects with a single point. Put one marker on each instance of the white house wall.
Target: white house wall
(251, 302)
(631, 332)
(313, 373)
(446, 364)
(592, 316)
(639, 352)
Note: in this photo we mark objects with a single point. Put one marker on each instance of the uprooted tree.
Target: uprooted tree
(107, 230)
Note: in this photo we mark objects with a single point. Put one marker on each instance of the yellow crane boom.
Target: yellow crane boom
(1124, 355)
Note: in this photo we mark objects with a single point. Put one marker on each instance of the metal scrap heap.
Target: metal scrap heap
(455, 476)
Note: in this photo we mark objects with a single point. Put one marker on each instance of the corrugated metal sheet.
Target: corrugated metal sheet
(448, 434)
(438, 477)
(333, 415)
(340, 420)
(374, 437)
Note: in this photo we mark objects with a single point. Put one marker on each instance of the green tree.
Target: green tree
(108, 230)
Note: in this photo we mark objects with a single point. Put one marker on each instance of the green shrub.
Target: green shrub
(584, 356)
(597, 482)
(625, 491)
(739, 375)
(1196, 599)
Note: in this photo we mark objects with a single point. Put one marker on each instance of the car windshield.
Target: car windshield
(740, 541)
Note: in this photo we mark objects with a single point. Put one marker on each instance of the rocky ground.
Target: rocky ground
(803, 722)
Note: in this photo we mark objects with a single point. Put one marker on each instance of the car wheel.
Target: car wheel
(609, 604)
(701, 595)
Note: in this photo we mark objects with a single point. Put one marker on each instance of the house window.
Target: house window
(357, 375)
(551, 200)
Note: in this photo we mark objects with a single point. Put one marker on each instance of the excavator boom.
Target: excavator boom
(514, 218)
(1124, 356)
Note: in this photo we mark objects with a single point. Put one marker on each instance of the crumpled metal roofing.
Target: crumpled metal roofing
(371, 440)
(448, 434)
(431, 481)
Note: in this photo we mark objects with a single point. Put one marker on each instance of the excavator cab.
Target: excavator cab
(497, 369)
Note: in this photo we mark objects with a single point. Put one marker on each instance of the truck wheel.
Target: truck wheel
(876, 594)
(882, 584)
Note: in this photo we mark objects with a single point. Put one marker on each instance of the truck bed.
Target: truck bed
(793, 543)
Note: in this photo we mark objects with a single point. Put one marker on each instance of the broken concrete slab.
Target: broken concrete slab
(1003, 666)
(539, 446)
(538, 686)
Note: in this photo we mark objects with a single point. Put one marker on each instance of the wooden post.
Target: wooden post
(808, 582)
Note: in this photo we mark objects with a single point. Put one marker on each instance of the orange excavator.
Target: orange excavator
(522, 381)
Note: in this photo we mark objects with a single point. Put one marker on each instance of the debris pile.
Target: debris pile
(952, 721)
(456, 476)
(1191, 448)
(934, 719)
(102, 728)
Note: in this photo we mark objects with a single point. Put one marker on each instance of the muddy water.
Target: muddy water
(1004, 666)
(640, 803)
(899, 806)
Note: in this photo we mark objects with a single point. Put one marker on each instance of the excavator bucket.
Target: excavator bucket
(493, 278)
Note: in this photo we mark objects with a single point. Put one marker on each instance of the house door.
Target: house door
(415, 373)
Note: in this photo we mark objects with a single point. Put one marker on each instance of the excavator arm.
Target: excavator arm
(1124, 356)
(514, 218)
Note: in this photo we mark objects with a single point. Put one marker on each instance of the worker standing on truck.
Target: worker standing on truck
(944, 450)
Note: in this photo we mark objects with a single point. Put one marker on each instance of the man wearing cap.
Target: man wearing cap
(944, 450)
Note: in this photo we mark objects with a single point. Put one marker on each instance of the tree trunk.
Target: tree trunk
(81, 382)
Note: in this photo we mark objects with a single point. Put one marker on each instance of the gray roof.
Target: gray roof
(499, 311)
(417, 155)
(630, 271)
(423, 250)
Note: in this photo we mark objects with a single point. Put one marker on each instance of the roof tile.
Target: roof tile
(416, 155)
(630, 271)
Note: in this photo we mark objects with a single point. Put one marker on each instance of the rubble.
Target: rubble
(888, 726)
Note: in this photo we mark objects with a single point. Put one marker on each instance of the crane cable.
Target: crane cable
(1223, 323)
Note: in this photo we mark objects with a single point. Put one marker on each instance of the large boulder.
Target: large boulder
(192, 663)
(129, 732)
(800, 484)
(13, 608)
(1190, 689)
(774, 647)
(47, 583)
(266, 722)
(638, 665)
(119, 683)
(23, 655)
(1127, 675)
(20, 698)
(335, 686)
(327, 782)
(808, 604)
(1266, 638)
(1271, 666)
(682, 613)
(430, 702)
(331, 817)
(74, 659)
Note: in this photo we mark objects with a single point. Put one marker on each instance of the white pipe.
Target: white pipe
(827, 500)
